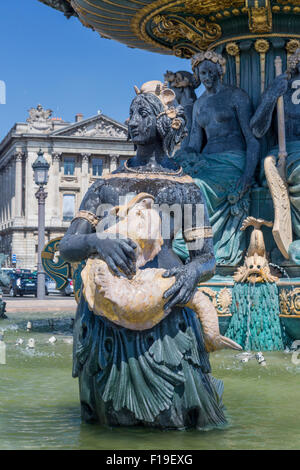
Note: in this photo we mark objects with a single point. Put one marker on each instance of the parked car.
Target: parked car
(69, 289)
(23, 284)
(50, 286)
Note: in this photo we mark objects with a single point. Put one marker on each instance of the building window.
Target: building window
(97, 166)
(69, 165)
(68, 207)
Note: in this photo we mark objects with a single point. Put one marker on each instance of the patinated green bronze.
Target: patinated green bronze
(159, 376)
(221, 155)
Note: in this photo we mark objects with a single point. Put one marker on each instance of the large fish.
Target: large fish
(138, 303)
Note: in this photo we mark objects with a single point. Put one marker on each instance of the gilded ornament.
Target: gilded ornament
(256, 267)
(199, 32)
(221, 300)
(260, 16)
(290, 302)
(292, 46)
(224, 301)
(205, 7)
(232, 49)
(262, 46)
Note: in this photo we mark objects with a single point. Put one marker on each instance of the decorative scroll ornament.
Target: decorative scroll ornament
(184, 32)
(256, 267)
(290, 302)
(260, 16)
(60, 270)
(57, 268)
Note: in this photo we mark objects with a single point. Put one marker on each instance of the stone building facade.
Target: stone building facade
(78, 154)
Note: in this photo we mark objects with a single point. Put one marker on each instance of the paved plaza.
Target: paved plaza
(52, 304)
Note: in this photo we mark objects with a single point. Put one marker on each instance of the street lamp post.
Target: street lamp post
(41, 168)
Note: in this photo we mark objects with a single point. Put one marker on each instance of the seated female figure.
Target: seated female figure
(221, 155)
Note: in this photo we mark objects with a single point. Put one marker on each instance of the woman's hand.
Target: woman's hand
(118, 253)
(187, 278)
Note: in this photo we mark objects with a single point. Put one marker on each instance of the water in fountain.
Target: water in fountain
(255, 322)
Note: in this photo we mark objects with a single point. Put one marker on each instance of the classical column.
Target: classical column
(56, 159)
(11, 188)
(8, 189)
(114, 162)
(4, 193)
(85, 158)
(18, 186)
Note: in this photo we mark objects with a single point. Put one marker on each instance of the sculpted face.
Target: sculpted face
(142, 122)
(208, 74)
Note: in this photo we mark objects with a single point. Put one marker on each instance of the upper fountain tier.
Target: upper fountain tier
(183, 27)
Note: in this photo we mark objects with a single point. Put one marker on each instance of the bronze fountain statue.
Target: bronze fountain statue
(221, 154)
(139, 365)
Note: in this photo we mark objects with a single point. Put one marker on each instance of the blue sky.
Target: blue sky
(66, 67)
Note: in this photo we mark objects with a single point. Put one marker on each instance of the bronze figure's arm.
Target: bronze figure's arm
(198, 235)
(262, 119)
(195, 141)
(243, 110)
(81, 240)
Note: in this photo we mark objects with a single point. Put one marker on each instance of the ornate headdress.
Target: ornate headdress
(209, 55)
(166, 97)
(293, 60)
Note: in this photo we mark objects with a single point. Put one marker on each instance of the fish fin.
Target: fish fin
(221, 342)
